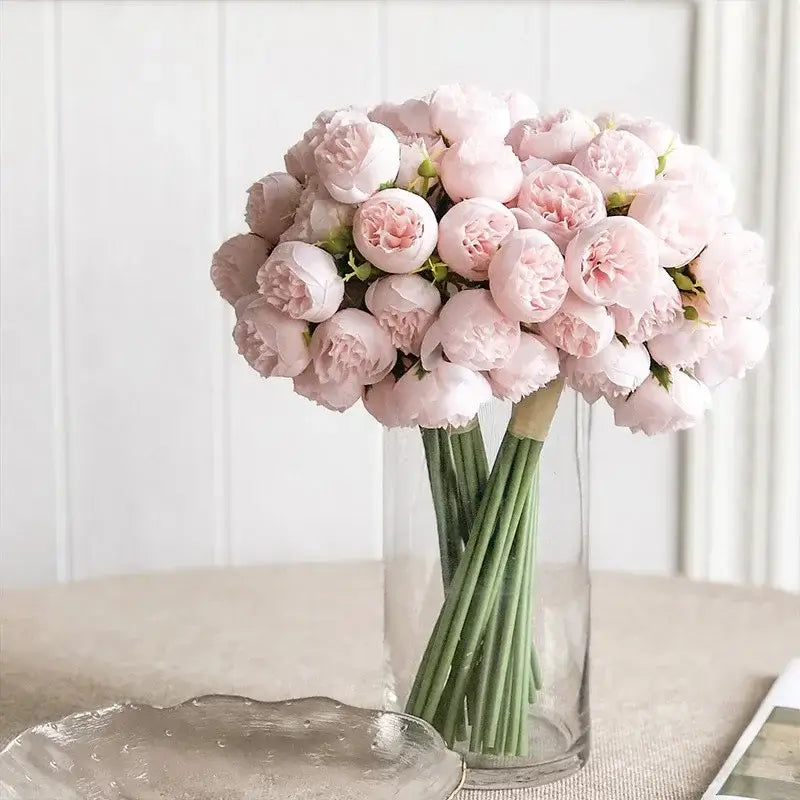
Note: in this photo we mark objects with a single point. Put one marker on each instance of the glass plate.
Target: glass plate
(231, 748)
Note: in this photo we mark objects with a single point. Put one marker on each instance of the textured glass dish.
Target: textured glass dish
(231, 748)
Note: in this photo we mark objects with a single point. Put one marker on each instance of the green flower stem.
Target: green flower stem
(450, 444)
(485, 676)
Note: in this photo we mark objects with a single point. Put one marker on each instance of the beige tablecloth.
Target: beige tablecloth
(678, 668)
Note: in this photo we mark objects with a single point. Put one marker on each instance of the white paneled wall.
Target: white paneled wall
(133, 437)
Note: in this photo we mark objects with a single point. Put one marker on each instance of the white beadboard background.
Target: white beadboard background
(133, 437)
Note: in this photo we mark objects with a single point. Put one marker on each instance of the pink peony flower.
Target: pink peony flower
(614, 372)
(462, 112)
(652, 409)
(448, 395)
(405, 307)
(744, 343)
(556, 137)
(271, 203)
(413, 152)
(617, 161)
(475, 333)
(663, 313)
(395, 230)
(679, 215)
(660, 137)
(578, 328)
(694, 165)
(686, 345)
(560, 201)
(272, 343)
(380, 400)
(733, 273)
(409, 119)
(526, 277)
(477, 167)
(470, 233)
(302, 281)
(533, 365)
(352, 347)
(331, 395)
(354, 160)
(235, 265)
(317, 216)
(614, 261)
(520, 106)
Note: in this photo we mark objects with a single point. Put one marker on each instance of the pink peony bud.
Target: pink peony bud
(354, 160)
(302, 281)
(681, 217)
(271, 203)
(235, 265)
(614, 261)
(526, 277)
(578, 328)
(405, 307)
(351, 347)
(617, 161)
(395, 230)
(331, 395)
(475, 333)
(470, 233)
(662, 314)
(685, 346)
(560, 201)
(556, 137)
(381, 401)
(691, 164)
(744, 343)
(461, 112)
(411, 118)
(520, 106)
(318, 215)
(614, 372)
(481, 167)
(272, 343)
(652, 409)
(533, 365)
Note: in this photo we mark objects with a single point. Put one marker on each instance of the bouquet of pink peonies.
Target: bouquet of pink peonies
(425, 257)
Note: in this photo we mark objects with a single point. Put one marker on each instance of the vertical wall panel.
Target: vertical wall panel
(138, 143)
(29, 405)
(305, 482)
(634, 57)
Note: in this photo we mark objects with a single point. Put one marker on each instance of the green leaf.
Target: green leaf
(439, 271)
(661, 374)
(386, 185)
(683, 282)
(351, 260)
(662, 163)
(690, 312)
(363, 271)
(623, 339)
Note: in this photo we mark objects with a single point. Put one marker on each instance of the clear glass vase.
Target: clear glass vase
(487, 586)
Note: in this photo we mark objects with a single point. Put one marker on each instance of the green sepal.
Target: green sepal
(387, 185)
(339, 241)
(661, 374)
(690, 312)
(618, 200)
(623, 339)
(307, 337)
(427, 169)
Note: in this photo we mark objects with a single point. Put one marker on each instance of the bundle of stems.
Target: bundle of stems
(479, 673)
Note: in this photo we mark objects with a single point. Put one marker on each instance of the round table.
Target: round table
(678, 668)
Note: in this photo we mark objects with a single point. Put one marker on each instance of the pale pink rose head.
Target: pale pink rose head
(318, 215)
(652, 409)
(448, 395)
(614, 261)
(271, 203)
(692, 164)
(559, 200)
(414, 151)
(679, 215)
(663, 314)
(405, 307)
(533, 365)
(526, 277)
(614, 372)
(579, 328)
(470, 233)
(617, 161)
(410, 118)
(660, 137)
(556, 137)
(331, 395)
(732, 271)
(395, 230)
(235, 265)
(481, 167)
(380, 400)
(686, 345)
(744, 343)
(352, 347)
(272, 343)
(302, 281)
(461, 112)
(520, 106)
(475, 333)
(354, 160)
